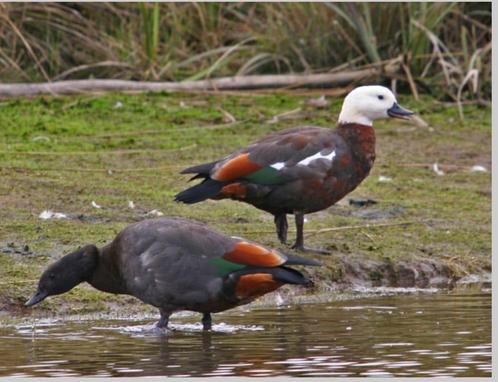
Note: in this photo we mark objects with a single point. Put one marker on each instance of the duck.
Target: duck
(303, 169)
(175, 264)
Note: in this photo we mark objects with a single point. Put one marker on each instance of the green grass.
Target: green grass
(55, 153)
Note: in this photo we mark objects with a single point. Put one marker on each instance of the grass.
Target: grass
(56, 154)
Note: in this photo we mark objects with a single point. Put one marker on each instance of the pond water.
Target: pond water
(423, 334)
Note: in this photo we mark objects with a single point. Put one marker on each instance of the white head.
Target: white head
(365, 104)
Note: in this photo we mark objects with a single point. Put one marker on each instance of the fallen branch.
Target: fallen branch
(353, 227)
(315, 232)
(217, 84)
(286, 114)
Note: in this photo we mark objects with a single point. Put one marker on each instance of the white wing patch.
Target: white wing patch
(278, 165)
(308, 160)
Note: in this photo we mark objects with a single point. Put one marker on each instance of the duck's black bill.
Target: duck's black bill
(397, 111)
(36, 298)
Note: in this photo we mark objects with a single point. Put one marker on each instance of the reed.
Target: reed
(445, 47)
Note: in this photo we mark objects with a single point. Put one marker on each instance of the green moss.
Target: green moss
(56, 153)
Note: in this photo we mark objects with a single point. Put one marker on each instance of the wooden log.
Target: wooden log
(216, 84)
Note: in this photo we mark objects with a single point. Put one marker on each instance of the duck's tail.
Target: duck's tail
(202, 191)
(282, 275)
(298, 260)
(289, 276)
(205, 190)
(201, 170)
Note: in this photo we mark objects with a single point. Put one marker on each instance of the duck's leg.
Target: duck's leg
(163, 321)
(281, 224)
(206, 321)
(299, 244)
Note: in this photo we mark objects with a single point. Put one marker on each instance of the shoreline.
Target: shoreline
(286, 296)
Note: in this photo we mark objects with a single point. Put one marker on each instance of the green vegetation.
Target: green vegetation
(63, 153)
(445, 47)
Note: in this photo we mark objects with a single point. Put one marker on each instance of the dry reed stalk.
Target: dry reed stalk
(411, 82)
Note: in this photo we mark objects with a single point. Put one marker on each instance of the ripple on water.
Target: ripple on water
(392, 344)
(376, 373)
(362, 307)
(389, 336)
(152, 329)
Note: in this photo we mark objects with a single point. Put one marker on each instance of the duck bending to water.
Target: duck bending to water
(300, 170)
(175, 264)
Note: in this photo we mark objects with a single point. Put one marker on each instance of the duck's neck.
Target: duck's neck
(106, 276)
(361, 140)
(349, 116)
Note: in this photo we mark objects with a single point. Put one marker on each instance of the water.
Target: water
(442, 334)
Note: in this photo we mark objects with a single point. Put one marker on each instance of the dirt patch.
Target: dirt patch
(16, 249)
(378, 213)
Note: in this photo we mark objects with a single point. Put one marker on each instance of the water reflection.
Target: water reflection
(424, 335)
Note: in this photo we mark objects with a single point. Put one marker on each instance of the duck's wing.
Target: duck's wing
(276, 159)
(245, 254)
(268, 161)
(250, 270)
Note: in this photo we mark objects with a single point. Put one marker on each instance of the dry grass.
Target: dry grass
(445, 46)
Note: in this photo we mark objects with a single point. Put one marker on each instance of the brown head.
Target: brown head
(63, 275)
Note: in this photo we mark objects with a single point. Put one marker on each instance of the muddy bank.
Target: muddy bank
(349, 279)
(342, 275)
(423, 274)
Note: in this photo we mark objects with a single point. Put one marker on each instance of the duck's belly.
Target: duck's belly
(207, 297)
(306, 196)
(195, 301)
(214, 306)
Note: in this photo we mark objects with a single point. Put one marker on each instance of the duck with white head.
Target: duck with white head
(303, 169)
(365, 104)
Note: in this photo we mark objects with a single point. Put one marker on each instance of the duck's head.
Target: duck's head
(365, 104)
(66, 273)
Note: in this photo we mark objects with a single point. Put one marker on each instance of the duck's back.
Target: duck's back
(169, 261)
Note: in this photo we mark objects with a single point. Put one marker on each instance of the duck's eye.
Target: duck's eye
(51, 276)
(381, 97)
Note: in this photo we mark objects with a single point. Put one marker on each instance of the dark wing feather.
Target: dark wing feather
(200, 170)
(202, 191)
